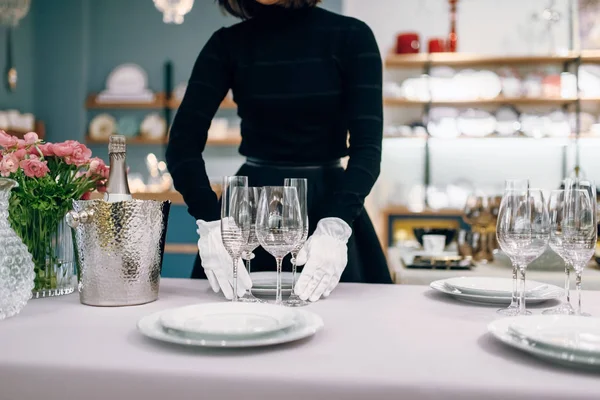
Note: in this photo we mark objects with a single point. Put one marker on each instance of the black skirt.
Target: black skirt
(366, 261)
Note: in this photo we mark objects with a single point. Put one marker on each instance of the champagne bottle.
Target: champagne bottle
(117, 188)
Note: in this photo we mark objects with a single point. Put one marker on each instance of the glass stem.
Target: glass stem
(515, 280)
(567, 283)
(578, 286)
(248, 268)
(522, 309)
(293, 260)
(278, 298)
(235, 271)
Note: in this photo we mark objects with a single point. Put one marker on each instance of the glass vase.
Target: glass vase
(50, 242)
(16, 264)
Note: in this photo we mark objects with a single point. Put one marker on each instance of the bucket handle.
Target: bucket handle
(75, 218)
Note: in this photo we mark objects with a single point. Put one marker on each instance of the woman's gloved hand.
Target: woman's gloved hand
(324, 256)
(217, 262)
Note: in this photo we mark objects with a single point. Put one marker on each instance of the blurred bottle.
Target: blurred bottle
(117, 188)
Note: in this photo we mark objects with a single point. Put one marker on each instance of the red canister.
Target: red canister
(407, 43)
(436, 45)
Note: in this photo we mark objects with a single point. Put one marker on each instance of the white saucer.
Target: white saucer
(307, 324)
(553, 292)
(228, 319)
(501, 330)
(565, 332)
(488, 286)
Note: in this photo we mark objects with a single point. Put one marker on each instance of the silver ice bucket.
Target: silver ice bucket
(119, 248)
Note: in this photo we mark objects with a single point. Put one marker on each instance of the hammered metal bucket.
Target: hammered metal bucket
(119, 249)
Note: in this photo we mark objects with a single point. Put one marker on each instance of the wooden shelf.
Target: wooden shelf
(228, 141)
(227, 103)
(533, 101)
(404, 211)
(590, 56)
(158, 103)
(466, 59)
(39, 128)
(130, 140)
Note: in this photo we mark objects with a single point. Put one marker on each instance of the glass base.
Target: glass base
(511, 311)
(43, 293)
(248, 298)
(295, 301)
(583, 314)
(563, 309)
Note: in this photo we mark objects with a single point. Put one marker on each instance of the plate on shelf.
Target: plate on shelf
(102, 126)
(228, 319)
(153, 127)
(307, 324)
(128, 126)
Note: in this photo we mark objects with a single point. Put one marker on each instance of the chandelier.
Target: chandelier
(12, 11)
(173, 10)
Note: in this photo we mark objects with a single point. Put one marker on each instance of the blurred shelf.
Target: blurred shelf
(228, 141)
(533, 101)
(173, 196)
(490, 137)
(130, 140)
(227, 103)
(39, 128)
(466, 59)
(158, 103)
(181, 248)
(590, 56)
(405, 211)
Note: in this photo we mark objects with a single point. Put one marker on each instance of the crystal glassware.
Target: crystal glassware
(512, 185)
(523, 233)
(580, 232)
(279, 225)
(235, 221)
(252, 243)
(301, 186)
(16, 264)
(556, 208)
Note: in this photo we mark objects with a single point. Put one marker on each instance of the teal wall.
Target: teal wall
(23, 56)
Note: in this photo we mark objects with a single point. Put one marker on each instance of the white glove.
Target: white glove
(324, 256)
(217, 262)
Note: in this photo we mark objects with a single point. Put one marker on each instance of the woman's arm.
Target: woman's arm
(208, 85)
(362, 69)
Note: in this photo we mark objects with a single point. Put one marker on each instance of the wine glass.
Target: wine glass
(580, 233)
(523, 233)
(279, 224)
(252, 243)
(556, 212)
(301, 188)
(235, 220)
(510, 186)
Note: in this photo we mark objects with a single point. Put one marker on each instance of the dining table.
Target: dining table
(378, 342)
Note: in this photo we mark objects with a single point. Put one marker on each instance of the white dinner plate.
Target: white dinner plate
(501, 330)
(307, 324)
(553, 292)
(489, 286)
(228, 319)
(565, 332)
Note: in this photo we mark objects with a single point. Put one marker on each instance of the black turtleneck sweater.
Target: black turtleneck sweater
(302, 79)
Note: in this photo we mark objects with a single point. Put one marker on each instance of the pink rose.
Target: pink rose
(86, 196)
(64, 149)
(31, 138)
(45, 148)
(7, 141)
(20, 154)
(81, 155)
(34, 168)
(9, 165)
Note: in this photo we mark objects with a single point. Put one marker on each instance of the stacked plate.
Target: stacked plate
(494, 291)
(265, 283)
(230, 325)
(564, 339)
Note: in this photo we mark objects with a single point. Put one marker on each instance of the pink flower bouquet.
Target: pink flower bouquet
(50, 176)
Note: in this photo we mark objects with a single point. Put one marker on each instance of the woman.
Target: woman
(303, 78)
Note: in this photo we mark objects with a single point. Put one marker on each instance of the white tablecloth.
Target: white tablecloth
(379, 342)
